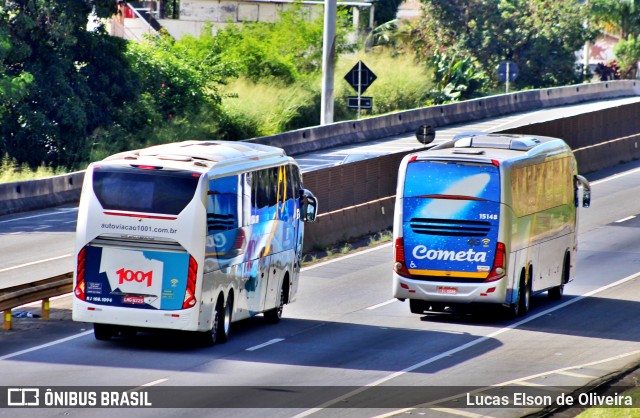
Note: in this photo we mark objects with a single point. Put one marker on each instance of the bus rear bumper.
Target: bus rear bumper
(184, 320)
(451, 292)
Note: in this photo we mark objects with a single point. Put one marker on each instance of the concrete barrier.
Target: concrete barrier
(344, 224)
(37, 194)
(353, 132)
(43, 193)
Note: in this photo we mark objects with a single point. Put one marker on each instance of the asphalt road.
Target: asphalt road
(345, 342)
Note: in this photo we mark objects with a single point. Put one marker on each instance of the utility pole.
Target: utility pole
(328, 61)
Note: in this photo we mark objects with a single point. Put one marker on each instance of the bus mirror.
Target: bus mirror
(586, 198)
(309, 207)
(586, 191)
(425, 134)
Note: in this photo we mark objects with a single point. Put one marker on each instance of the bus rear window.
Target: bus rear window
(136, 190)
(452, 178)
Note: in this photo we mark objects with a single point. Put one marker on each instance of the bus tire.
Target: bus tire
(417, 306)
(128, 332)
(225, 325)
(103, 332)
(521, 307)
(274, 315)
(555, 293)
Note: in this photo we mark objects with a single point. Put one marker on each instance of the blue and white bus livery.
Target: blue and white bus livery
(189, 236)
(486, 219)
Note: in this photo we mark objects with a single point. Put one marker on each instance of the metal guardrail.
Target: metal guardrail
(13, 297)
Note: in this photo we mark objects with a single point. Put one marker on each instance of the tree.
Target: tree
(621, 17)
(455, 78)
(540, 36)
(628, 53)
(70, 81)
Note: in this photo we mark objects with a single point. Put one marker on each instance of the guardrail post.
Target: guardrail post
(7, 320)
(45, 309)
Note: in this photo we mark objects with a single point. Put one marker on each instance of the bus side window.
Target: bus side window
(296, 181)
(246, 183)
(222, 204)
(264, 190)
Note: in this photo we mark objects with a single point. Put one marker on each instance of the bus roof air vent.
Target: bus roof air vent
(512, 142)
(468, 151)
(524, 143)
(182, 158)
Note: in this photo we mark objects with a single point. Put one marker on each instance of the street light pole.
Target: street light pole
(328, 61)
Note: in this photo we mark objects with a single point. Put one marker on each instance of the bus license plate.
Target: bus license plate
(448, 290)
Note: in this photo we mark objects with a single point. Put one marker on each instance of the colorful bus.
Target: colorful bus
(486, 219)
(189, 236)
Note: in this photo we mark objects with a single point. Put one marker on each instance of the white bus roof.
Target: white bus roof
(500, 147)
(200, 155)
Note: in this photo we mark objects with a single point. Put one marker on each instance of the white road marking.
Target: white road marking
(628, 218)
(146, 385)
(379, 305)
(40, 347)
(355, 254)
(470, 344)
(155, 382)
(617, 176)
(510, 383)
(257, 347)
(35, 262)
(525, 383)
(564, 369)
(572, 374)
(35, 216)
(459, 412)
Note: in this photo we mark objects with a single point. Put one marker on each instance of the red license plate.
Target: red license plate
(448, 290)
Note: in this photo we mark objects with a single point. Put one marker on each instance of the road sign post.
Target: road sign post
(507, 72)
(360, 78)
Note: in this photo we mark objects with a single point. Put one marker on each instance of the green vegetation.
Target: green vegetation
(620, 18)
(615, 412)
(69, 95)
(540, 36)
(11, 171)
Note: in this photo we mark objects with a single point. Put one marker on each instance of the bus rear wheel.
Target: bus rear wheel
(521, 307)
(555, 293)
(103, 332)
(221, 324)
(274, 315)
(417, 306)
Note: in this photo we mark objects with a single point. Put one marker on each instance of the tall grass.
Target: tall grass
(401, 83)
(11, 171)
(272, 108)
(268, 107)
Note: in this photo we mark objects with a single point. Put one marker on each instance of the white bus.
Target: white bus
(486, 219)
(189, 236)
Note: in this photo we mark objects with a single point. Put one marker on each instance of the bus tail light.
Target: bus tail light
(399, 266)
(499, 269)
(190, 293)
(79, 290)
